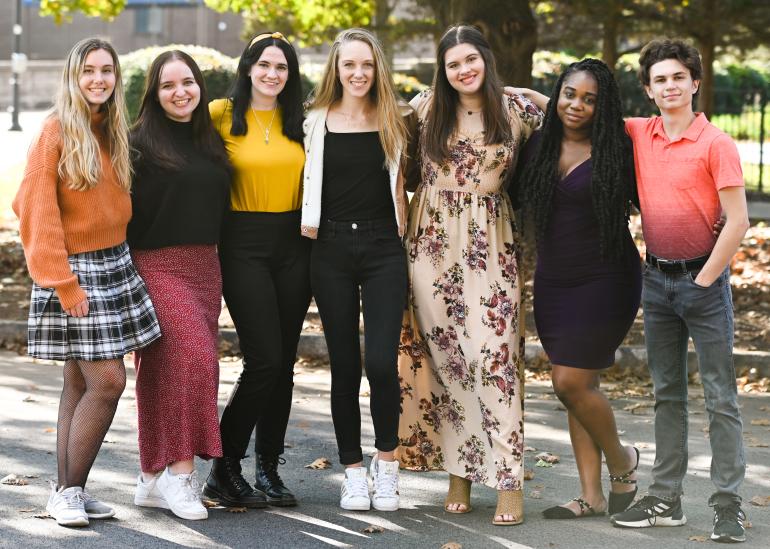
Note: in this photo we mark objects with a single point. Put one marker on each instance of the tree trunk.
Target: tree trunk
(382, 11)
(610, 25)
(511, 29)
(706, 95)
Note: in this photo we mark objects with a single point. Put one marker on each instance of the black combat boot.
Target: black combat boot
(227, 485)
(269, 482)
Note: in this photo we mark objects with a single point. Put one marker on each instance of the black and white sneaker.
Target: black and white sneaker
(728, 523)
(651, 511)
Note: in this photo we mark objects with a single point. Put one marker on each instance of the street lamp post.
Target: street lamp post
(17, 59)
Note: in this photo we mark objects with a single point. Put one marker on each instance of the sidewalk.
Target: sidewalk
(28, 407)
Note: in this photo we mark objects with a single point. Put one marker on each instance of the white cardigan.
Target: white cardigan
(312, 183)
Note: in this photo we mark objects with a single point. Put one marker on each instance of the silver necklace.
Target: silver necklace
(265, 130)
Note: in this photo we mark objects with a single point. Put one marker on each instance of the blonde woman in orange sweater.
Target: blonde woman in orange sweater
(89, 307)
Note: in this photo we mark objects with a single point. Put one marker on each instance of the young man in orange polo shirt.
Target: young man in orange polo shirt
(688, 172)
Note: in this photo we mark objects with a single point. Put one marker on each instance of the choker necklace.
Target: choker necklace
(265, 130)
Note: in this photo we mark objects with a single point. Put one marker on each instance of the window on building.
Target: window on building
(148, 20)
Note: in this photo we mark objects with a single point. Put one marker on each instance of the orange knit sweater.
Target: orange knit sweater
(56, 221)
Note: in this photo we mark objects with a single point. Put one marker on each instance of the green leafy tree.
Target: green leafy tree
(306, 22)
(62, 10)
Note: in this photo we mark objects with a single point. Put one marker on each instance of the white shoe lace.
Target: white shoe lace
(385, 485)
(73, 500)
(356, 487)
(190, 487)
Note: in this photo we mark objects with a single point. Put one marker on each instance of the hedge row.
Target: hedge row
(218, 72)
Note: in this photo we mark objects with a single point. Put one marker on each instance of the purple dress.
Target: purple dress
(584, 306)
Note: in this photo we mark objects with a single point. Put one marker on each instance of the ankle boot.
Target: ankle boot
(269, 482)
(227, 485)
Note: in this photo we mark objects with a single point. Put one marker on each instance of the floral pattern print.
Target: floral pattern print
(460, 355)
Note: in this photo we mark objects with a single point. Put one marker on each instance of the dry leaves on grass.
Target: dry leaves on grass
(760, 501)
(319, 463)
(452, 545)
(697, 538)
(373, 529)
(14, 480)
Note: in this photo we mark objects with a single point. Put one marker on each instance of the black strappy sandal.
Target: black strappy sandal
(565, 513)
(619, 502)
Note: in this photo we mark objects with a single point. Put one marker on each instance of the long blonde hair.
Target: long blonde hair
(390, 120)
(80, 163)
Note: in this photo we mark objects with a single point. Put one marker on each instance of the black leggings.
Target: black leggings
(266, 285)
(350, 261)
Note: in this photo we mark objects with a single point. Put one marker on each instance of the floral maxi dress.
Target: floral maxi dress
(461, 351)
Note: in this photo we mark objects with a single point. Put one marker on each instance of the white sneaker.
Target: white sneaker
(354, 495)
(384, 484)
(147, 494)
(182, 494)
(96, 509)
(65, 505)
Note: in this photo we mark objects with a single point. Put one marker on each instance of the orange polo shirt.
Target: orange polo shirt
(679, 183)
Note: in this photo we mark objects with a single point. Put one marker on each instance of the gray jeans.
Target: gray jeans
(676, 308)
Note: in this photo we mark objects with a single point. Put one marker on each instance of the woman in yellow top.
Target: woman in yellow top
(265, 264)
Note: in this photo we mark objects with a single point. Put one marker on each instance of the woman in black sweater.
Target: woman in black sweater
(180, 194)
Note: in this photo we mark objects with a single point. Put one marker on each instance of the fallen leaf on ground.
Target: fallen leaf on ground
(373, 529)
(752, 442)
(541, 463)
(530, 449)
(535, 494)
(364, 394)
(452, 545)
(548, 457)
(747, 524)
(13, 480)
(697, 538)
(319, 463)
(29, 399)
(43, 516)
(30, 510)
(208, 504)
(236, 509)
(637, 406)
(764, 408)
(529, 474)
(760, 501)
(49, 430)
(763, 422)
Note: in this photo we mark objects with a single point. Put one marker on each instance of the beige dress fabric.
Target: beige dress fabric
(461, 352)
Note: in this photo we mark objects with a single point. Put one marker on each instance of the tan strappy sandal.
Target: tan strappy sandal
(459, 493)
(509, 502)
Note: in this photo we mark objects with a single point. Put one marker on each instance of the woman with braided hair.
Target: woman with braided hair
(577, 183)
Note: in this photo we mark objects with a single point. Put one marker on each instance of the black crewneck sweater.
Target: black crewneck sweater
(182, 207)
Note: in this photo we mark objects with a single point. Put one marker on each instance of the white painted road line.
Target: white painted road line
(330, 541)
(313, 520)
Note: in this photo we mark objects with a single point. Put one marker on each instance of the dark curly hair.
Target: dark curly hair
(612, 178)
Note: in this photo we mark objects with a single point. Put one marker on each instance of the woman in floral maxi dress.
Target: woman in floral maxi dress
(461, 353)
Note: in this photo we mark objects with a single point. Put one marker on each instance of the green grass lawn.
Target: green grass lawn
(751, 176)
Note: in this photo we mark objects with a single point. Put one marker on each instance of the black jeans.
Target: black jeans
(266, 285)
(353, 263)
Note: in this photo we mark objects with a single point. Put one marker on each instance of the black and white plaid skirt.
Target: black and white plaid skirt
(120, 315)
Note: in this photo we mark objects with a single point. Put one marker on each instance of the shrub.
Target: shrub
(218, 71)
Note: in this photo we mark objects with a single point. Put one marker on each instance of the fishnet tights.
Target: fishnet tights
(88, 402)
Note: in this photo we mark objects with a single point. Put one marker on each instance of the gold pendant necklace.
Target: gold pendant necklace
(265, 130)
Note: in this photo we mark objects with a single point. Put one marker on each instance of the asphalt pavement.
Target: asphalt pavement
(29, 393)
